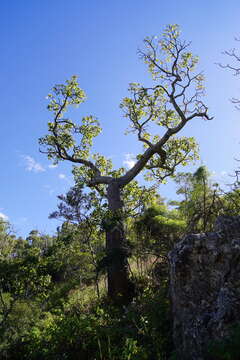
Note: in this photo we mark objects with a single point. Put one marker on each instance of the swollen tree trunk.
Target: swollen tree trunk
(120, 288)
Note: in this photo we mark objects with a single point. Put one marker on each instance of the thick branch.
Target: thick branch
(136, 169)
(157, 149)
(62, 152)
(97, 180)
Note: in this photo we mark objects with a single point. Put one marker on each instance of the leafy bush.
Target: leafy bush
(100, 331)
(228, 348)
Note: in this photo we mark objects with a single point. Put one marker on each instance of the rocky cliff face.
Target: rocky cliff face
(205, 287)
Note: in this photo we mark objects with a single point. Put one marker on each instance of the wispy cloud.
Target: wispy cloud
(66, 179)
(31, 164)
(3, 216)
(21, 220)
(129, 160)
(221, 177)
(49, 189)
(52, 166)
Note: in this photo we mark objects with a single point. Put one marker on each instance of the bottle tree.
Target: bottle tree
(156, 114)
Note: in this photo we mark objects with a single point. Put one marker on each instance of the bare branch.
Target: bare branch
(234, 68)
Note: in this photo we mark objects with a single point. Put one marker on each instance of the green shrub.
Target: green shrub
(228, 348)
(141, 331)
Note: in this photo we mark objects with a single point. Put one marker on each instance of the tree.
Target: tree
(38, 240)
(7, 240)
(156, 230)
(159, 227)
(172, 101)
(202, 201)
(23, 281)
(82, 214)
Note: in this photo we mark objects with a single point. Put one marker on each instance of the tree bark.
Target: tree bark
(120, 288)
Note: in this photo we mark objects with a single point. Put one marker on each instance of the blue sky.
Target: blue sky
(45, 42)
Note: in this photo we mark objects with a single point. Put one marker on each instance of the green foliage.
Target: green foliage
(49, 309)
(41, 241)
(180, 150)
(176, 93)
(201, 200)
(62, 96)
(230, 201)
(140, 331)
(9, 244)
(170, 226)
(158, 227)
(24, 286)
(226, 349)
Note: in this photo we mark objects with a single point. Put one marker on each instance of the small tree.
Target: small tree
(82, 213)
(202, 201)
(166, 107)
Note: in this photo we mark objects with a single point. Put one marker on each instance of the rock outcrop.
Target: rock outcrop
(205, 287)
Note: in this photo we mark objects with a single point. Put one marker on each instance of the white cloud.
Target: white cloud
(32, 165)
(52, 166)
(129, 161)
(62, 176)
(3, 216)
